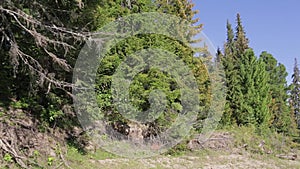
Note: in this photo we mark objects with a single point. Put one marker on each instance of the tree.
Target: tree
(153, 79)
(282, 121)
(295, 93)
(37, 39)
(42, 39)
(39, 43)
(246, 80)
(234, 50)
(254, 106)
(230, 68)
(240, 36)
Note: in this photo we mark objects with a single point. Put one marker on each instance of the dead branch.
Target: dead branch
(287, 156)
(64, 161)
(54, 29)
(60, 34)
(34, 65)
(9, 149)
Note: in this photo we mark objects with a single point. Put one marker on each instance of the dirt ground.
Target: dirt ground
(195, 162)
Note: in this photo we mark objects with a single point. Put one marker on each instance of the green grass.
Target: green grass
(77, 158)
(249, 139)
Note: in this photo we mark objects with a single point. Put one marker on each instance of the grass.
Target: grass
(245, 152)
(77, 158)
(238, 156)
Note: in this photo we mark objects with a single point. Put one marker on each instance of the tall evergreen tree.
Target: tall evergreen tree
(240, 36)
(282, 121)
(254, 105)
(295, 93)
(234, 49)
(246, 80)
(229, 45)
(229, 64)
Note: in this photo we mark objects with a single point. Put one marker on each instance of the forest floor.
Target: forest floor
(219, 153)
(195, 160)
(208, 161)
(239, 147)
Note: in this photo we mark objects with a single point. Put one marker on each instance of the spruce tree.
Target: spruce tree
(229, 65)
(234, 50)
(229, 45)
(246, 79)
(282, 121)
(240, 37)
(295, 93)
(261, 98)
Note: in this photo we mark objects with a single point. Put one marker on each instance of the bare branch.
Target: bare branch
(53, 28)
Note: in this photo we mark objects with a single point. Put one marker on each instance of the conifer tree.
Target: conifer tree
(228, 62)
(246, 80)
(151, 79)
(234, 49)
(295, 93)
(240, 36)
(261, 98)
(282, 121)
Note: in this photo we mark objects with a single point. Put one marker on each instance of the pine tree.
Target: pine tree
(295, 93)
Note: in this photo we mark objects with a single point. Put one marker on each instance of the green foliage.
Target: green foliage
(8, 158)
(178, 150)
(19, 104)
(247, 80)
(256, 97)
(150, 79)
(36, 153)
(256, 87)
(50, 160)
(263, 142)
(253, 81)
(282, 119)
(54, 113)
(241, 42)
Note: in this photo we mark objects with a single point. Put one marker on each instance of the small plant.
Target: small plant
(178, 150)
(51, 113)
(50, 161)
(36, 153)
(19, 104)
(54, 113)
(8, 158)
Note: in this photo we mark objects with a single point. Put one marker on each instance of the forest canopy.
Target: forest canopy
(40, 42)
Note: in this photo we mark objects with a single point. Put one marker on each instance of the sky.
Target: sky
(270, 25)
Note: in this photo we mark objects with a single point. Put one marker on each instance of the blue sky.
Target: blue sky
(270, 25)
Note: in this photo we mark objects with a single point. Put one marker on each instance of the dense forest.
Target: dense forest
(40, 42)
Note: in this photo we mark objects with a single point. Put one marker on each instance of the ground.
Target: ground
(207, 160)
(237, 147)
